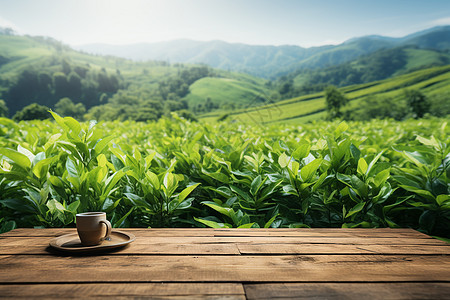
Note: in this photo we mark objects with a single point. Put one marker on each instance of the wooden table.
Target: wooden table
(232, 264)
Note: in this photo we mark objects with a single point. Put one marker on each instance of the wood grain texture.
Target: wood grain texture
(141, 246)
(206, 263)
(244, 232)
(147, 246)
(334, 249)
(129, 290)
(304, 268)
(357, 291)
(322, 232)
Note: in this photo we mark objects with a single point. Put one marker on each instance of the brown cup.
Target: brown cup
(93, 228)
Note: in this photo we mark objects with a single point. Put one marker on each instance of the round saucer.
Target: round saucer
(71, 242)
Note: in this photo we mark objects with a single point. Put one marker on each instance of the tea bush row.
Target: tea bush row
(174, 173)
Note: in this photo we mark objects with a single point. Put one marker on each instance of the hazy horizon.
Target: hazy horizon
(286, 22)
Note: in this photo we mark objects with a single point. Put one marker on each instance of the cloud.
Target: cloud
(441, 21)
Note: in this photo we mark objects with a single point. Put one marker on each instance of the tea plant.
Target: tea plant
(174, 173)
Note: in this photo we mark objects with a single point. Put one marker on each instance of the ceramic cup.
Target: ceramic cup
(93, 228)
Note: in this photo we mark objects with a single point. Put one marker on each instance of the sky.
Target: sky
(305, 23)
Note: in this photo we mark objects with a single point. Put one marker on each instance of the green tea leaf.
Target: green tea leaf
(153, 178)
(268, 223)
(301, 152)
(429, 142)
(40, 170)
(418, 191)
(373, 162)
(25, 152)
(112, 181)
(184, 193)
(219, 176)
(355, 209)
(283, 160)
(100, 146)
(223, 210)
(381, 177)
(74, 126)
(441, 199)
(18, 158)
(55, 206)
(211, 224)
(362, 167)
(248, 225)
(169, 181)
(308, 171)
(256, 184)
(340, 129)
(71, 168)
(137, 200)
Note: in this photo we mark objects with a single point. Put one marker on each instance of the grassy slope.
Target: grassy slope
(225, 90)
(24, 51)
(312, 107)
(21, 52)
(418, 58)
(415, 59)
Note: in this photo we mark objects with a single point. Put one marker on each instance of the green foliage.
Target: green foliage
(32, 112)
(377, 107)
(417, 102)
(440, 105)
(66, 108)
(335, 100)
(378, 65)
(174, 173)
(434, 83)
(3, 109)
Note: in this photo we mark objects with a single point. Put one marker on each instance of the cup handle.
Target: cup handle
(108, 229)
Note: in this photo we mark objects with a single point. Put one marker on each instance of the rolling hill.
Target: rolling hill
(32, 69)
(43, 70)
(432, 82)
(378, 65)
(271, 61)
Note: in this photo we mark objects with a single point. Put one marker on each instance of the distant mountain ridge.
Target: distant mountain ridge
(270, 61)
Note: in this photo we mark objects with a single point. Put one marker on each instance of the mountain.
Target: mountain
(270, 61)
(254, 60)
(378, 65)
(44, 71)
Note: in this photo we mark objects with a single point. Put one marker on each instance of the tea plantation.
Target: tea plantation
(174, 173)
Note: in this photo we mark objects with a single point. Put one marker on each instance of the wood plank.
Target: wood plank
(141, 246)
(129, 290)
(54, 232)
(322, 232)
(305, 268)
(35, 232)
(233, 232)
(277, 249)
(291, 240)
(180, 239)
(357, 291)
(146, 246)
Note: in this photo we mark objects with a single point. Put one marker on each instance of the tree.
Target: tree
(33, 111)
(335, 100)
(286, 87)
(65, 107)
(74, 85)
(440, 105)
(380, 108)
(61, 84)
(3, 109)
(417, 102)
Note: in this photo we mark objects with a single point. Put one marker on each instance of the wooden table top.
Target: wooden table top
(233, 264)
